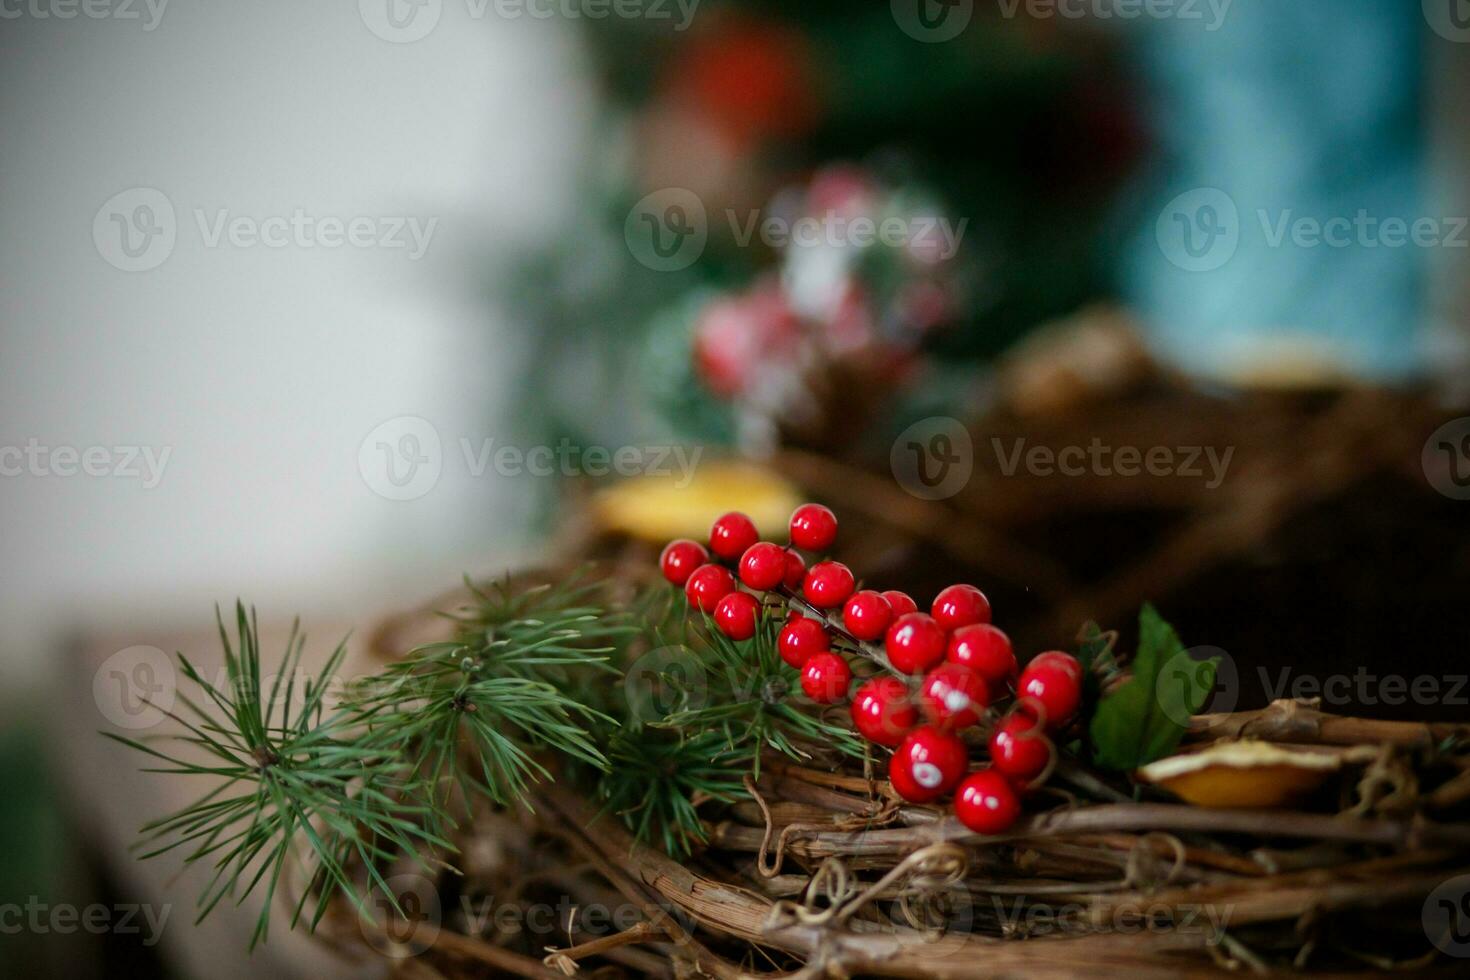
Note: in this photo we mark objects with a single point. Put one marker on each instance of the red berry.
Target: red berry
(985, 650)
(986, 803)
(800, 638)
(731, 535)
(681, 558)
(813, 527)
(953, 696)
(927, 764)
(1056, 688)
(914, 643)
(795, 570)
(763, 566)
(1019, 750)
(882, 712)
(707, 585)
(736, 615)
(867, 615)
(825, 678)
(960, 605)
(901, 602)
(1057, 658)
(828, 584)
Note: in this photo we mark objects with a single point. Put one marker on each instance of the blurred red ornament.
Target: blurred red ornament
(735, 335)
(753, 79)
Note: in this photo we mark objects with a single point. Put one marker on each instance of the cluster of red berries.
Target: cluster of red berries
(963, 665)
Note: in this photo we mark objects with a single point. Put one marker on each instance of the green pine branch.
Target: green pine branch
(290, 774)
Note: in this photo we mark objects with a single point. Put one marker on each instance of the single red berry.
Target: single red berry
(731, 535)
(882, 711)
(763, 566)
(813, 527)
(867, 615)
(914, 643)
(1019, 750)
(825, 678)
(953, 696)
(707, 585)
(986, 803)
(680, 559)
(901, 602)
(795, 570)
(736, 615)
(828, 584)
(960, 605)
(927, 764)
(1057, 690)
(1057, 658)
(800, 638)
(985, 650)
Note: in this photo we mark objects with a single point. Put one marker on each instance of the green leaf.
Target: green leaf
(1145, 718)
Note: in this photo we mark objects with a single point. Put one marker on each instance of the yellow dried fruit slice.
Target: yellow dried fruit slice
(658, 509)
(1242, 775)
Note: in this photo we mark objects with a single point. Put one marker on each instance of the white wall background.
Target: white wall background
(260, 369)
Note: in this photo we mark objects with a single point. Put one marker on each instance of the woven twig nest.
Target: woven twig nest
(821, 870)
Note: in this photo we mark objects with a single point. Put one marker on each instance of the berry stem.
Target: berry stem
(832, 620)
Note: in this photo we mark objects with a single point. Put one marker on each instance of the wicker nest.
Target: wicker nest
(824, 871)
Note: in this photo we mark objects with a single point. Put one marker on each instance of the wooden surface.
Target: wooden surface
(110, 799)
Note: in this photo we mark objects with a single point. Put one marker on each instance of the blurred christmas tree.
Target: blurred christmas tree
(991, 157)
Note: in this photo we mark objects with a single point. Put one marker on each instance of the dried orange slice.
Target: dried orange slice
(660, 508)
(1242, 774)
